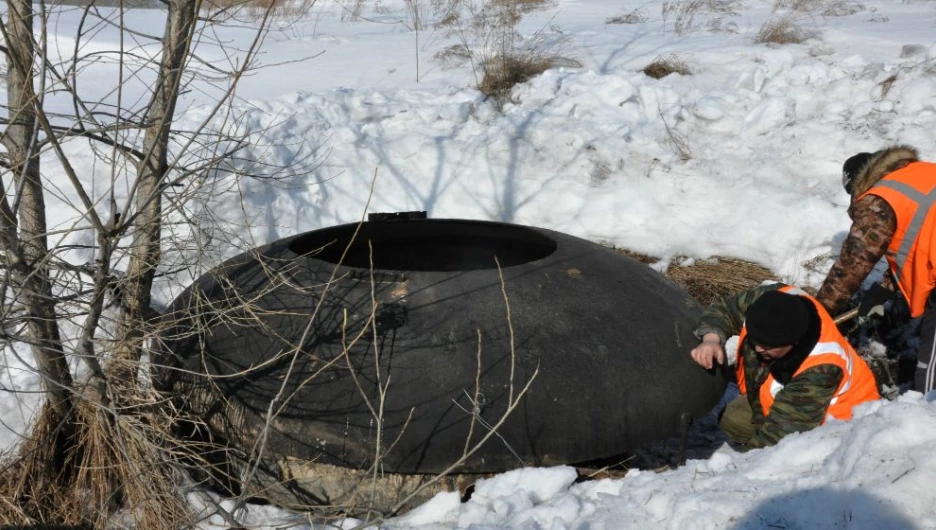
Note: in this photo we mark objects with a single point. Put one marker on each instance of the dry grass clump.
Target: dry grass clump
(708, 280)
(664, 65)
(213, 5)
(114, 462)
(782, 30)
(218, 5)
(501, 73)
(805, 6)
(842, 8)
(449, 18)
(635, 16)
(828, 8)
(522, 5)
(257, 8)
(453, 55)
(783, 24)
(687, 14)
(499, 55)
(887, 84)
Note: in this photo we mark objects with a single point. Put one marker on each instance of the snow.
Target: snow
(739, 158)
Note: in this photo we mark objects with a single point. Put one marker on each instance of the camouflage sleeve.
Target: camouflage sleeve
(800, 406)
(725, 316)
(873, 225)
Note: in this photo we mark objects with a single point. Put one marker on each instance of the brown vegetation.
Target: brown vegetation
(523, 5)
(634, 16)
(115, 461)
(100, 453)
(708, 280)
(664, 65)
(503, 72)
(783, 26)
(782, 30)
(687, 14)
(887, 84)
(841, 8)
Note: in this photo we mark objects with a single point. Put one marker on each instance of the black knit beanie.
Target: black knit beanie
(776, 319)
(851, 167)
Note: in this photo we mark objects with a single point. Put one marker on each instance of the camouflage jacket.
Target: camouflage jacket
(802, 403)
(873, 226)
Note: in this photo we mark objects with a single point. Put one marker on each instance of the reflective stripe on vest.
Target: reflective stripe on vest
(911, 194)
(824, 348)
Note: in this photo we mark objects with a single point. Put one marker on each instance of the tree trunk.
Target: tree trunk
(152, 174)
(24, 241)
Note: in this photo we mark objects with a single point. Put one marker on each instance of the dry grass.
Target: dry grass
(842, 8)
(782, 30)
(256, 8)
(826, 8)
(523, 5)
(687, 14)
(804, 6)
(453, 56)
(499, 56)
(887, 84)
(212, 5)
(784, 25)
(216, 5)
(635, 16)
(664, 65)
(708, 280)
(677, 140)
(501, 73)
(115, 462)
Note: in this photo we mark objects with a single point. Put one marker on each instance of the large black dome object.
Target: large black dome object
(406, 338)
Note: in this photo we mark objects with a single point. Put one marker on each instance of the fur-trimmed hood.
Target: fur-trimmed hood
(880, 164)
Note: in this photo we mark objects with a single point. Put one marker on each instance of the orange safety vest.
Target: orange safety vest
(911, 192)
(856, 387)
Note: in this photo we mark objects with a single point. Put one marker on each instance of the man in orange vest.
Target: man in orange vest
(893, 212)
(794, 368)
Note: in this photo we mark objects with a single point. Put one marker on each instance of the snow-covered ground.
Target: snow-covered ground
(741, 157)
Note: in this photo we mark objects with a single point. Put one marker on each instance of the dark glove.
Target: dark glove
(873, 301)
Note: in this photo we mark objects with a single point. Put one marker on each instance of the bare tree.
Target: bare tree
(24, 239)
(86, 323)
